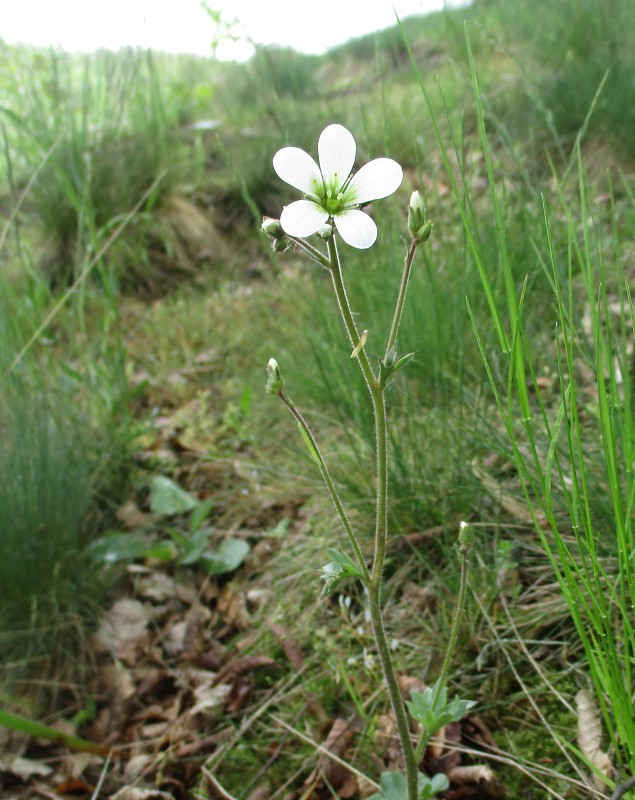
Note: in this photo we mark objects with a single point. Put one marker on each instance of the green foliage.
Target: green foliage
(100, 127)
(37, 729)
(48, 463)
(393, 786)
(432, 710)
(183, 547)
(566, 51)
(44, 498)
(342, 566)
(168, 499)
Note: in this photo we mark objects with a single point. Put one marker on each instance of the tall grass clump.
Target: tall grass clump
(573, 450)
(566, 51)
(103, 124)
(46, 493)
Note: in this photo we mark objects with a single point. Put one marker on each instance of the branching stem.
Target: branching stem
(381, 525)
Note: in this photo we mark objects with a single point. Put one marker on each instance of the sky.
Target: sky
(183, 26)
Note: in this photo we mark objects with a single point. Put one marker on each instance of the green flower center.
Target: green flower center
(332, 196)
(332, 205)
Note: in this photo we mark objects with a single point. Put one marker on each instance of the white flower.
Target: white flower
(330, 190)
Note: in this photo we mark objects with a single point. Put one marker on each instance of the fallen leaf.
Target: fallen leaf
(238, 696)
(245, 664)
(23, 768)
(156, 586)
(136, 766)
(590, 738)
(337, 742)
(474, 773)
(137, 793)
(123, 631)
(291, 648)
(233, 609)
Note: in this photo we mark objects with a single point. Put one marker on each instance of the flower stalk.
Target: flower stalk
(332, 206)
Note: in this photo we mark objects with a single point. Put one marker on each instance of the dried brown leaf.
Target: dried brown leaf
(123, 630)
(474, 773)
(137, 793)
(233, 609)
(291, 648)
(23, 768)
(340, 737)
(590, 737)
(240, 665)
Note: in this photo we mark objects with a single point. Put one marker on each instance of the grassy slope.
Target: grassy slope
(220, 335)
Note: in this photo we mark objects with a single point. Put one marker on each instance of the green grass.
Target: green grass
(532, 415)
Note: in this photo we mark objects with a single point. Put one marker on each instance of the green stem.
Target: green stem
(401, 297)
(350, 533)
(399, 709)
(381, 526)
(454, 634)
(311, 251)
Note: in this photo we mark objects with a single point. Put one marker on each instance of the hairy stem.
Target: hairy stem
(401, 297)
(312, 252)
(381, 525)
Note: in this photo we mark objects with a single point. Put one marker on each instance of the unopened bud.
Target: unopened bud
(416, 213)
(326, 231)
(466, 537)
(272, 227)
(279, 245)
(420, 228)
(423, 234)
(275, 382)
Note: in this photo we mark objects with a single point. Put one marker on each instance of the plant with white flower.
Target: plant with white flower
(332, 203)
(331, 191)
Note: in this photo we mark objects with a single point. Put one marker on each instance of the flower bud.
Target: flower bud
(279, 245)
(326, 231)
(275, 382)
(466, 537)
(423, 234)
(416, 213)
(272, 227)
(420, 228)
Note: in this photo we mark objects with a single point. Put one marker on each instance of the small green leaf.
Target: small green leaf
(391, 365)
(280, 529)
(434, 712)
(342, 566)
(168, 499)
(229, 556)
(393, 787)
(200, 514)
(165, 550)
(114, 547)
(177, 536)
(86, 714)
(194, 548)
(428, 787)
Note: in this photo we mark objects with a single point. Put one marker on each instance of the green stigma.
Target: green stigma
(332, 205)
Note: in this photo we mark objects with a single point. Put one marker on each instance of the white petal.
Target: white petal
(302, 218)
(375, 180)
(297, 168)
(356, 228)
(336, 150)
